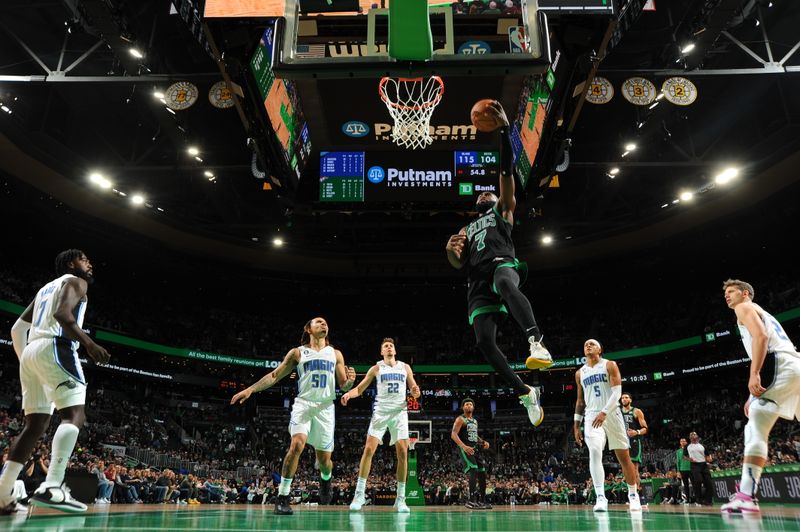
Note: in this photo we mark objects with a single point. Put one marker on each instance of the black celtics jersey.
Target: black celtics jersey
(630, 420)
(488, 238)
(469, 431)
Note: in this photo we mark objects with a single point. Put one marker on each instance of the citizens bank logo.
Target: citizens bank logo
(375, 174)
(355, 129)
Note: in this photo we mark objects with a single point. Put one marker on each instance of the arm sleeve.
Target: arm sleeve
(19, 336)
(613, 400)
(506, 154)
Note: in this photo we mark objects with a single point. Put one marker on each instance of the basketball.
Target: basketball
(482, 117)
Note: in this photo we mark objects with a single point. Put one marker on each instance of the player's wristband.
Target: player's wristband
(578, 418)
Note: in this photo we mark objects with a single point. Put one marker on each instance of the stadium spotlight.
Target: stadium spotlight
(136, 53)
(192, 150)
(277, 242)
(614, 171)
(630, 147)
(547, 240)
(208, 173)
(686, 196)
(687, 48)
(137, 199)
(100, 180)
(158, 95)
(726, 175)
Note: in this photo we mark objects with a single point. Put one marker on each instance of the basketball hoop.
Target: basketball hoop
(412, 442)
(411, 102)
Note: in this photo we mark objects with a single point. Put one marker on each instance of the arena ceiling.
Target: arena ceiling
(80, 102)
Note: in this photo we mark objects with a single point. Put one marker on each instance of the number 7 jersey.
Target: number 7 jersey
(488, 237)
(316, 374)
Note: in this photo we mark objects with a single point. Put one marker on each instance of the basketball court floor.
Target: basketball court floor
(256, 517)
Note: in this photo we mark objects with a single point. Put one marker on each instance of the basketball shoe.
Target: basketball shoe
(401, 506)
(282, 506)
(601, 505)
(531, 404)
(57, 497)
(540, 357)
(358, 501)
(740, 503)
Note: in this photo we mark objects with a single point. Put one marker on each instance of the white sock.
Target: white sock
(286, 484)
(600, 491)
(751, 474)
(361, 485)
(632, 491)
(63, 445)
(11, 471)
(401, 490)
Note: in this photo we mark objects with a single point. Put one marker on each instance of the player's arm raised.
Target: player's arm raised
(362, 386)
(19, 331)
(72, 292)
(455, 249)
(269, 380)
(748, 316)
(345, 375)
(412, 383)
(615, 381)
(506, 202)
(580, 408)
(455, 437)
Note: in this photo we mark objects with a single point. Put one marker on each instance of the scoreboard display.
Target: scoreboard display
(443, 177)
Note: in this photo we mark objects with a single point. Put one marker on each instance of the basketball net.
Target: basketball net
(411, 102)
(411, 443)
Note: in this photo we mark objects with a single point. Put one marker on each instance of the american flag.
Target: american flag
(310, 51)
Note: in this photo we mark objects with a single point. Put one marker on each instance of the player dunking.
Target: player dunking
(636, 428)
(471, 447)
(486, 248)
(390, 412)
(774, 386)
(312, 418)
(51, 375)
(599, 390)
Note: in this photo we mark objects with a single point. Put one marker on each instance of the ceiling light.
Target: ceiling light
(625, 153)
(686, 196)
(547, 240)
(613, 171)
(630, 146)
(277, 242)
(688, 48)
(665, 205)
(137, 199)
(198, 159)
(653, 105)
(192, 150)
(160, 209)
(726, 175)
(170, 111)
(136, 53)
(660, 96)
(158, 94)
(100, 181)
(208, 173)
(676, 200)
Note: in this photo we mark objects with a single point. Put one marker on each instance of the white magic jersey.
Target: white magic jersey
(44, 323)
(596, 386)
(316, 374)
(777, 340)
(391, 384)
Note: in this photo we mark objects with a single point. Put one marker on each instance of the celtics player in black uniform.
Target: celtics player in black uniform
(471, 447)
(637, 427)
(494, 275)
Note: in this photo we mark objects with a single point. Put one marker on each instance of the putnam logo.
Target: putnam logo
(355, 129)
(419, 178)
(383, 132)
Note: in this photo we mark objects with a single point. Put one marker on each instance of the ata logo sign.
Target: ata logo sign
(474, 48)
(355, 129)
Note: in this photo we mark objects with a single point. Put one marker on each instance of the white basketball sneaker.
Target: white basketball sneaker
(531, 404)
(540, 357)
(358, 501)
(634, 504)
(57, 497)
(401, 506)
(601, 505)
